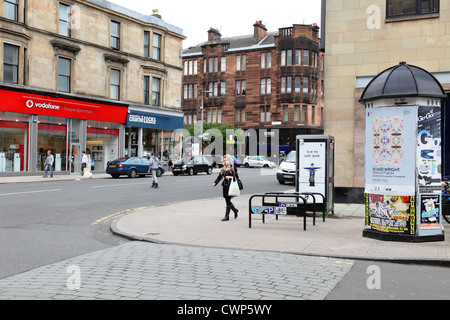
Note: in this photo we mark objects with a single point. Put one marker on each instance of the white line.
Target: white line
(119, 185)
(28, 192)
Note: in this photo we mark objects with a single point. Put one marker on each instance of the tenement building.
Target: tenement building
(360, 40)
(85, 75)
(266, 80)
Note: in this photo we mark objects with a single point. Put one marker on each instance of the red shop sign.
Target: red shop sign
(23, 102)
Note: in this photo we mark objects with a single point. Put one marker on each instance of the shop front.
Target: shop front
(150, 130)
(32, 123)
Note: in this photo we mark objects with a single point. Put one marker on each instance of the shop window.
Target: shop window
(102, 143)
(11, 9)
(52, 135)
(14, 132)
(10, 63)
(400, 8)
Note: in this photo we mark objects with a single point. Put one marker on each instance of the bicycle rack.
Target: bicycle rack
(276, 208)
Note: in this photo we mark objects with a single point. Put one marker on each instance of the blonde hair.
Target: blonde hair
(229, 160)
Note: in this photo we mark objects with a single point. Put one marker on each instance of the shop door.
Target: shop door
(75, 159)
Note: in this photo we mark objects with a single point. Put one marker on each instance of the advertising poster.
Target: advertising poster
(391, 213)
(429, 149)
(390, 166)
(429, 211)
(312, 168)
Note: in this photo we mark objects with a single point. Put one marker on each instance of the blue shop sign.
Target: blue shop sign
(153, 121)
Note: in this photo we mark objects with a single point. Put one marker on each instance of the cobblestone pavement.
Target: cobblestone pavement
(140, 270)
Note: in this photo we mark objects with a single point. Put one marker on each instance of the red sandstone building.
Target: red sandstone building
(267, 80)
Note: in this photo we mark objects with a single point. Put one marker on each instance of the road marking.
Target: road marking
(118, 214)
(119, 185)
(28, 192)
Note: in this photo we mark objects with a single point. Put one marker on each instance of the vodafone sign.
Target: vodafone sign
(22, 102)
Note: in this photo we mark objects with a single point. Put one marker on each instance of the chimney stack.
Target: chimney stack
(155, 13)
(260, 31)
(214, 35)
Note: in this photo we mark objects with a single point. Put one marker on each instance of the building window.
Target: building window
(297, 113)
(266, 60)
(11, 9)
(223, 64)
(240, 87)
(64, 74)
(223, 88)
(146, 44)
(241, 62)
(240, 115)
(398, 8)
(304, 114)
(305, 85)
(286, 84)
(214, 115)
(115, 84)
(305, 61)
(286, 113)
(146, 89)
(157, 46)
(156, 91)
(64, 20)
(264, 114)
(115, 35)
(266, 86)
(10, 63)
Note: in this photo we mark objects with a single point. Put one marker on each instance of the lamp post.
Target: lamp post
(204, 92)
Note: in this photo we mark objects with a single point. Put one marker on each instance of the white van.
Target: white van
(286, 170)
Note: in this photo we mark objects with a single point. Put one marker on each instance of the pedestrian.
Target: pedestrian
(154, 164)
(49, 164)
(227, 173)
(84, 161)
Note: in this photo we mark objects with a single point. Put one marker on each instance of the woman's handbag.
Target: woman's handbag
(241, 186)
(234, 191)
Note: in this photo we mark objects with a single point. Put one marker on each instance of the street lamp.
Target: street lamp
(204, 92)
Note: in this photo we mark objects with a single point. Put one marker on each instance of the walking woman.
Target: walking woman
(227, 173)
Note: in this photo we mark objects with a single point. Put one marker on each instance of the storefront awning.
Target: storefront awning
(153, 120)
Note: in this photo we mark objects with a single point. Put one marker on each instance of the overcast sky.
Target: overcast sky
(231, 17)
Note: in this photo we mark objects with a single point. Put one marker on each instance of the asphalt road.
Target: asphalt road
(43, 223)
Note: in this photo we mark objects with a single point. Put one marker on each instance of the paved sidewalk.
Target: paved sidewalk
(198, 223)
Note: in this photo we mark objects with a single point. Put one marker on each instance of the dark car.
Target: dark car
(131, 167)
(192, 166)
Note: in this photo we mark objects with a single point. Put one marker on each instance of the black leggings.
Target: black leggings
(228, 201)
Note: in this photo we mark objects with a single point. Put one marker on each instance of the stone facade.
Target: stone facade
(88, 47)
(361, 41)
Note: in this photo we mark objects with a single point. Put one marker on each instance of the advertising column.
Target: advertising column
(403, 175)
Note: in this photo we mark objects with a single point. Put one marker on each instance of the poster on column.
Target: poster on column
(429, 149)
(392, 214)
(430, 215)
(312, 170)
(390, 164)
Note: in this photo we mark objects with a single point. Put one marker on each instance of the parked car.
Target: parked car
(236, 161)
(131, 167)
(258, 161)
(286, 170)
(192, 166)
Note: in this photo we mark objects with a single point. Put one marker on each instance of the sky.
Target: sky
(231, 17)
